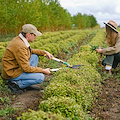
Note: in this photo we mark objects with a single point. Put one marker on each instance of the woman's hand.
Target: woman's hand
(99, 50)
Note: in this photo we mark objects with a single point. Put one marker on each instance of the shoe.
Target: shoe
(33, 87)
(14, 88)
(109, 72)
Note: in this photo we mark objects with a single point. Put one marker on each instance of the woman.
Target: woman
(112, 52)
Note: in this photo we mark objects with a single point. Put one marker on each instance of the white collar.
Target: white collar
(24, 39)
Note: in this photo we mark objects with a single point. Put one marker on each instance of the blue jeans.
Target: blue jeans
(28, 79)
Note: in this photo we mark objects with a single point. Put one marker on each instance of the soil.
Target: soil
(106, 107)
(30, 98)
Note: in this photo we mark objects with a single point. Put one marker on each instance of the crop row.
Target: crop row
(71, 91)
(61, 42)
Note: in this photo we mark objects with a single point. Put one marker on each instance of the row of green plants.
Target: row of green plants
(66, 41)
(71, 92)
(53, 37)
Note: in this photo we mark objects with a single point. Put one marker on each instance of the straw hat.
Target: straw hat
(113, 25)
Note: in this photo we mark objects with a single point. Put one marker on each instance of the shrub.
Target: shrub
(65, 106)
(40, 115)
(78, 84)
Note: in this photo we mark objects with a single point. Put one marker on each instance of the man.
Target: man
(19, 62)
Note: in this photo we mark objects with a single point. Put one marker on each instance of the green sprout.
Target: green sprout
(93, 47)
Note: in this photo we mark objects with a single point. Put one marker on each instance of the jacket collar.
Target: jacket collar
(24, 39)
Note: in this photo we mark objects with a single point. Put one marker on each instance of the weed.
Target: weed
(7, 111)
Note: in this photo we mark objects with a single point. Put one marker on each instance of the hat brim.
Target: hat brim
(111, 27)
(37, 33)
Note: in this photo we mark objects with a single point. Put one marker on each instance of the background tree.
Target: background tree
(84, 21)
(46, 15)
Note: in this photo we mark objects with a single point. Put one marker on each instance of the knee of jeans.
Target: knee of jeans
(35, 56)
(41, 78)
(20, 84)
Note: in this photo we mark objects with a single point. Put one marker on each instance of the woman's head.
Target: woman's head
(111, 33)
(113, 25)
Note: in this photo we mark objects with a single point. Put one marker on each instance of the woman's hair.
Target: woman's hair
(111, 36)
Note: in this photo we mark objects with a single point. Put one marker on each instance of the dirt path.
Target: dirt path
(108, 105)
(30, 98)
(27, 100)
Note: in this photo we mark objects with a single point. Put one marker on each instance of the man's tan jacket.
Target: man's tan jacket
(16, 58)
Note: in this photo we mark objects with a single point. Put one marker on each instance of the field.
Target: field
(68, 94)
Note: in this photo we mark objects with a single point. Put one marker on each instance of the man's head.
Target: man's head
(29, 28)
(30, 32)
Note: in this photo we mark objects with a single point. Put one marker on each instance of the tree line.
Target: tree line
(46, 15)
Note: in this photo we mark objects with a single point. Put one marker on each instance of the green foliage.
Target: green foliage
(82, 84)
(79, 85)
(2, 49)
(1, 83)
(63, 105)
(6, 112)
(40, 115)
(92, 58)
(84, 21)
(5, 100)
(86, 51)
(99, 39)
(45, 15)
(93, 47)
(3, 45)
(55, 44)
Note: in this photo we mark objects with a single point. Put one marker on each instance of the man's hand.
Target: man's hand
(99, 50)
(46, 71)
(49, 56)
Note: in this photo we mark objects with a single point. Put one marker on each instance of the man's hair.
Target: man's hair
(24, 34)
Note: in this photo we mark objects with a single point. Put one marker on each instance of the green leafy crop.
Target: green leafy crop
(93, 47)
(65, 106)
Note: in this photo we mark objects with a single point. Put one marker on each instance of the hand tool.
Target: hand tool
(63, 62)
